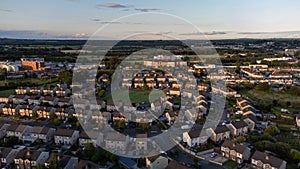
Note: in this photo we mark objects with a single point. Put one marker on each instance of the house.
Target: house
(127, 83)
(93, 137)
(7, 156)
(3, 129)
(15, 130)
(193, 138)
(27, 110)
(5, 98)
(174, 92)
(298, 120)
(66, 101)
(110, 106)
(175, 165)
(10, 131)
(68, 162)
(10, 109)
(44, 112)
(151, 84)
(35, 99)
(235, 152)
(221, 133)
(116, 142)
(101, 116)
(251, 121)
(29, 159)
(34, 91)
(171, 116)
(238, 128)
(22, 130)
(49, 100)
(48, 91)
(22, 90)
(128, 163)
(143, 117)
(117, 116)
(261, 160)
(42, 134)
(62, 92)
(18, 99)
(63, 113)
(138, 84)
(128, 107)
(66, 137)
(141, 143)
(157, 161)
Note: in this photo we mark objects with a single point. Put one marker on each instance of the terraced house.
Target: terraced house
(235, 152)
(262, 160)
(30, 159)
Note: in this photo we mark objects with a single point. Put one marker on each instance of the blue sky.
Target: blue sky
(216, 18)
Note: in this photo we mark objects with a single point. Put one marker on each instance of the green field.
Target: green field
(135, 96)
(29, 81)
(9, 91)
(266, 97)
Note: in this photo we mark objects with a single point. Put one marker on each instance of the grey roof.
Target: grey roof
(267, 159)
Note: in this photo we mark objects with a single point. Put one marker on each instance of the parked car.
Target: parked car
(241, 165)
(213, 155)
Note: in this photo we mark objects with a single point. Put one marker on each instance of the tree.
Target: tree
(40, 166)
(272, 130)
(240, 139)
(288, 104)
(53, 162)
(145, 87)
(295, 154)
(262, 86)
(89, 150)
(101, 93)
(65, 76)
(34, 115)
(275, 103)
(56, 122)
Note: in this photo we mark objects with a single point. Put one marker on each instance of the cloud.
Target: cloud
(109, 22)
(95, 20)
(204, 33)
(5, 10)
(146, 9)
(113, 5)
(266, 33)
(33, 34)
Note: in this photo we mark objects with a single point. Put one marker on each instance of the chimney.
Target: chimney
(267, 157)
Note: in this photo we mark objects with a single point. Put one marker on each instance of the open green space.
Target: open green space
(29, 82)
(266, 97)
(9, 91)
(135, 96)
(230, 164)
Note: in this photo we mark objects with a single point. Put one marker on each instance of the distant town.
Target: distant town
(40, 121)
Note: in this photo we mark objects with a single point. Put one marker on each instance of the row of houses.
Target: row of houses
(57, 91)
(31, 159)
(241, 153)
(35, 100)
(194, 138)
(35, 111)
(68, 137)
(64, 137)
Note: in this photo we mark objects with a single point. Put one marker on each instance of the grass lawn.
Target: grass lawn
(266, 97)
(9, 91)
(135, 96)
(36, 81)
(230, 164)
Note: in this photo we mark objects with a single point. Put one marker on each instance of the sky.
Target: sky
(216, 19)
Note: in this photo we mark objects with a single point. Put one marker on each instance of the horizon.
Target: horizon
(76, 19)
